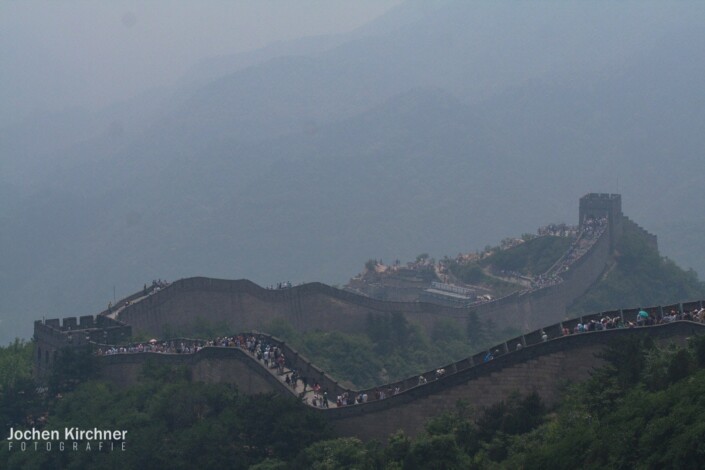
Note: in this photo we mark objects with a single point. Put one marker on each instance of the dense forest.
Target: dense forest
(391, 348)
(640, 276)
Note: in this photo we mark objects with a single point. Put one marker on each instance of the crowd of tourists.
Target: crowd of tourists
(157, 285)
(644, 318)
(593, 227)
(280, 285)
(512, 274)
(271, 356)
(545, 280)
(584, 238)
(590, 232)
(154, 346)
(558, 230)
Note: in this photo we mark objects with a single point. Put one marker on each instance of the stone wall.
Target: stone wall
(597, 205)
(242, 305)
(210, 365)
(541, 367)
(632, 227)
(545, 368)
(53, 335)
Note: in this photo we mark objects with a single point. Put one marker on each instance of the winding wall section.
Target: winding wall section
(243, 305)
(541, 366)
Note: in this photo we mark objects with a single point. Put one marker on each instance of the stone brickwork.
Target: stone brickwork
(632, 227)
(541, 367)
(210, 365)
(53, 335)
(545, 368)
(545, 375)
(598, 205)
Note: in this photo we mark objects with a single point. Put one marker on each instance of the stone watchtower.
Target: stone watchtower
(52, 336)
(597, 205)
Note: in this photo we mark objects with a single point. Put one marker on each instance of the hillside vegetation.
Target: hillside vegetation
(643, 409)
(391, 348)
(640, 276)
(171, 421)
(533, 257)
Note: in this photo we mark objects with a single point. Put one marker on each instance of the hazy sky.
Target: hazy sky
(387, 138)
(89, 53)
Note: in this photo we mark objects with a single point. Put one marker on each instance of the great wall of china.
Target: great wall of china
(243, 305)
(542, 366)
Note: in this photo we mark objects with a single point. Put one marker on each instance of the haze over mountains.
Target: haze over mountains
(436, 128)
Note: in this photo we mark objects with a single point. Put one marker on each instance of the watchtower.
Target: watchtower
(52, 336)
(598, 205)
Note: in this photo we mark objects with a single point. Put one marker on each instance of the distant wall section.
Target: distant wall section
(242, 305)
(633, 228)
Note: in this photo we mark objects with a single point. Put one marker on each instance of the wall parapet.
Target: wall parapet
(206, 354)
(528, 309)
(531, 352)
(469, 366)
(55, 334)
(409, 409)
(633, 227)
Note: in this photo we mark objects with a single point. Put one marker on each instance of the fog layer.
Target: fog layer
(437, 127)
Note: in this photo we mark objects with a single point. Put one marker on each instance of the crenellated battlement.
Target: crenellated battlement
(53, 335)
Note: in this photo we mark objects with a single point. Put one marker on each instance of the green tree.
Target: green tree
(335, 454)
(398, 447)
(422, 257)
(516, 415)
(475, 330)
(437, 452)
(18, 392)
(697, 343)
(640, 277)
(72, 367)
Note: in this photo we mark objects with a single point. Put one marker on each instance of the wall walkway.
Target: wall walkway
(541, 366)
